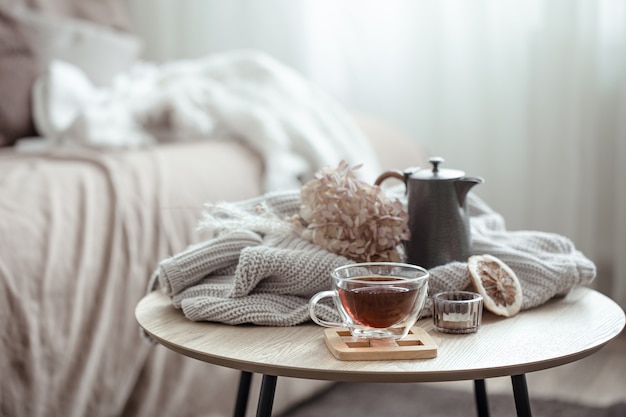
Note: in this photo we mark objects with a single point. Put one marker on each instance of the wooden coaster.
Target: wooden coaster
(416, 345)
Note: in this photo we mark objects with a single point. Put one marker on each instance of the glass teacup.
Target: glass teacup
(375, 300)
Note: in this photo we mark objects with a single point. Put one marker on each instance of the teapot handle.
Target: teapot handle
(390, 174)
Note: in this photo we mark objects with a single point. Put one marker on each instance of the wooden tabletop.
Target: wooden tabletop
(561, 331)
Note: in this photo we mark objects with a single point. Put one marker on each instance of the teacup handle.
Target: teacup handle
(390, 174)
(313, 302)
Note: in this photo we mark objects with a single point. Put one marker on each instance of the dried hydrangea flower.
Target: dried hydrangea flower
(350, 217)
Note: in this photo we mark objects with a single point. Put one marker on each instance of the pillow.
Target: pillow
(18, 70)
(101, 52)
(111, 13)
(31, 39)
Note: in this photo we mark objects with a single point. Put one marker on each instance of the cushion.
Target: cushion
(101, 52)
(30, 39)
(18, 69)
(111, 13)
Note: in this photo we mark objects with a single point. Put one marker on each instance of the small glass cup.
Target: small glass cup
(457, 312)
(376, 300)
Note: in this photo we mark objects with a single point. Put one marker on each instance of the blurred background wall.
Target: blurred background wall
(530, 95)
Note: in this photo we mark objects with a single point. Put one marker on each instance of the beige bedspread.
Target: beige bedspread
(80, 233)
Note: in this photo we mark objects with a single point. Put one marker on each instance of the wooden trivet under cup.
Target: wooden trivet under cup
(416, 345)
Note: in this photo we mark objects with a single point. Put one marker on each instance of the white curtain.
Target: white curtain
(529, 94)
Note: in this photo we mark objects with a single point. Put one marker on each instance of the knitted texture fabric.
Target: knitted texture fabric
(255, 268)
(271, 285)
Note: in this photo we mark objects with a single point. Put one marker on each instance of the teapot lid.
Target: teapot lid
(437, 173)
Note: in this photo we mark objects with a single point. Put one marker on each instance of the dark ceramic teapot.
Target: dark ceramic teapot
(438, 219)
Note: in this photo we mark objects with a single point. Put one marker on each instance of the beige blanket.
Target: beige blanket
(80, 234)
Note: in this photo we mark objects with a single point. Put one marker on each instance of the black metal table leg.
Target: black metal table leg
(480, 395)
(242, 394)
(520, 392)
(266, 397)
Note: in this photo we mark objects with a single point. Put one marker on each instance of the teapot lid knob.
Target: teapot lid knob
(437, 173)
(436, 160)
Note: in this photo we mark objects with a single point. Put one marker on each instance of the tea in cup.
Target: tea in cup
(375, 300)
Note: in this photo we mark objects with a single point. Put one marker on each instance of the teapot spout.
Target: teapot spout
(463, 185)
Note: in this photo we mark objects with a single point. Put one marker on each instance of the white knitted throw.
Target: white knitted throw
(244, 95)
(256, 269)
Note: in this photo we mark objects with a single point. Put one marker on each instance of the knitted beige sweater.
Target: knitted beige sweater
(256, 269)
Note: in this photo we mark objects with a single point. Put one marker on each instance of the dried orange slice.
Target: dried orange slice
(497, 283)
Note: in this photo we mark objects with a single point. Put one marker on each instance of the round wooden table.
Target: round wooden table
(561, 331)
